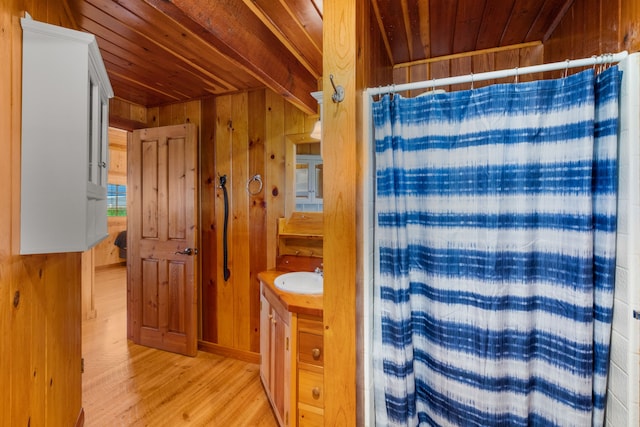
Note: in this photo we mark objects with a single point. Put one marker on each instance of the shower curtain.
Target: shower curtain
(495, 231)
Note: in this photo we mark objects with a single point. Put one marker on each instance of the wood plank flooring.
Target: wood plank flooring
(130, 385)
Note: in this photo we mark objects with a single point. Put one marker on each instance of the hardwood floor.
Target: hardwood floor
(130, 385)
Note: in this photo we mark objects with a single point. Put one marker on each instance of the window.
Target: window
(116, 200)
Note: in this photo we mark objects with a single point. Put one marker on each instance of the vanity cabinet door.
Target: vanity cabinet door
(265, 342)
(275, 351)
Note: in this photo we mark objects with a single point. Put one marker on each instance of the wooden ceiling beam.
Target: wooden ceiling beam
(285, 25)
(224, 24)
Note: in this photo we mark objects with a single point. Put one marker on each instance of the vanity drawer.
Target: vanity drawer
(311, 388)
(310, 348)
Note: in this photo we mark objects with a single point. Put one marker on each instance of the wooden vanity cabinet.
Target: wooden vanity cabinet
(292, 359)
(310, 371)
(275, 351)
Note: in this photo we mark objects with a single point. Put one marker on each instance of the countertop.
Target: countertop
(295, 303)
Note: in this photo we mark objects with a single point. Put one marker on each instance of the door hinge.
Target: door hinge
(286, 344)
(82, 365)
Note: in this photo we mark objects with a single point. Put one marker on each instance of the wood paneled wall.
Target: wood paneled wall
(471, 62)
(590, 27)
(243, 135)
(593, 27)
(126, 115)
(40, 305)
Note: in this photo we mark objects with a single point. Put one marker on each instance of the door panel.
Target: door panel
(163, 223)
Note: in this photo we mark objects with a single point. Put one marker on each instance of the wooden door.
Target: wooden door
(163, 238)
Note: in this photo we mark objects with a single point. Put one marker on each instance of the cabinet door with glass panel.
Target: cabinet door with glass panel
(309, 176)
(65, 116)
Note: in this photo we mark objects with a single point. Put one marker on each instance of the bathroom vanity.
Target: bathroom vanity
(292, 354)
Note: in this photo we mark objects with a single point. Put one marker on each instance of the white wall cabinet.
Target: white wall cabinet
(65, 116)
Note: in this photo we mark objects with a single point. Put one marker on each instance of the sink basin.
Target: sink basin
(300, 282)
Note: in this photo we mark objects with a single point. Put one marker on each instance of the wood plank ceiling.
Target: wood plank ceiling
(158, 51)
(420, 29)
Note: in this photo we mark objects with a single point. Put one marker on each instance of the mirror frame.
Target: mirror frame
(291, 141)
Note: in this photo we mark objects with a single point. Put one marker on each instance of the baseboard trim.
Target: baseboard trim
(246, 356)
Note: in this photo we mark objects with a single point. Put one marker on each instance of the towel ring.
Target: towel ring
(257, 178)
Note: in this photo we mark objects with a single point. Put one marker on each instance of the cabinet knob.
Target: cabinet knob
(274, 321)
(315, 392)
(315, 353)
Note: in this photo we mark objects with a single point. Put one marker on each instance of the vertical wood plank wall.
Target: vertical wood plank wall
(590, 27)
(472, 62)
(249, 139)
(40, 305)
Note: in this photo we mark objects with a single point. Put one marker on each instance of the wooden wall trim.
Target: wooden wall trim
(468, 54)
(221, 350)
(339, 136)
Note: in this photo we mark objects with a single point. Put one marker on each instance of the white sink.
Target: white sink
(300, 282)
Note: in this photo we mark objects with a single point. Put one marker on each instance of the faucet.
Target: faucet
(319, 270)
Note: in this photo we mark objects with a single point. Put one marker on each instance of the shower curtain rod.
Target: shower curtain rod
(607, 58)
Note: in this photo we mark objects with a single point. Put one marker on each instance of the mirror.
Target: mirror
(304, 174)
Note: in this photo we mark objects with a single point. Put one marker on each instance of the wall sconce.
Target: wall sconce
(317, 130)
(317, 127)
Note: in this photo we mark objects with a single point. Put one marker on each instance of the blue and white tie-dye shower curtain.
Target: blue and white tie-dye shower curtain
(495, 226)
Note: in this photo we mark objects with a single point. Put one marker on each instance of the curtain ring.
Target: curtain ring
(566, 70)
(471, 81)
(517, 76)
(258, 179)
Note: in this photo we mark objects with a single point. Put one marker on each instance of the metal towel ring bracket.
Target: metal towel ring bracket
(258, 179)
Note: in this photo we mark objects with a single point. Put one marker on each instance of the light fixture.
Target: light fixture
(316, 133)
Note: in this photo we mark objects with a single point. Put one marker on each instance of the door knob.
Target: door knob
(188, 251)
